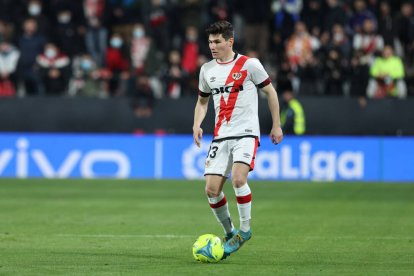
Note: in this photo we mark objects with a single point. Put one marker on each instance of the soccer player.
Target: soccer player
(232, 80)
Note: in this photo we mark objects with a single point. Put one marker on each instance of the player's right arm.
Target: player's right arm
(199, 115)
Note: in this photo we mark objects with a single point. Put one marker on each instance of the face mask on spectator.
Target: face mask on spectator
(116, 42)
(4, 49)
(338, 37)
(34, 9)
(64, 18)
(50, 53)
(86, 64)
(191, 38)
(138, 33)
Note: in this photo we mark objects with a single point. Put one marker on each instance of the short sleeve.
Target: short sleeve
(204, 89)
(258, 74)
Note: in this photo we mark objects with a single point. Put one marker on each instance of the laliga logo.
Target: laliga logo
(279, 164)
(319, 165)
(193, 160)
(85, 161)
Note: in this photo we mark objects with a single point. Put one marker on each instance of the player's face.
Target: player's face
(219, 47)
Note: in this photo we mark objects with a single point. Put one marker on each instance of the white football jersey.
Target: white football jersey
(233, 86)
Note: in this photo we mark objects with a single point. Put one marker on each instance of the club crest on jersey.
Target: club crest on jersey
(236, 76)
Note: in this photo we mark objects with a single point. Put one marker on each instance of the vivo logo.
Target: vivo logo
(23, 156)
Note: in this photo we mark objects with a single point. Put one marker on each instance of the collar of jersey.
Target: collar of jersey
(234, 58)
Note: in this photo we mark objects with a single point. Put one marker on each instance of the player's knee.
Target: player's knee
(212, 191)
(238, 180)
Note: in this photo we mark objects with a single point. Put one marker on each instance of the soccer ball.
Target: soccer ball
(208, 248)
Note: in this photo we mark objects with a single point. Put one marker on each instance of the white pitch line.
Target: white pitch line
(172, 236)
(167, 236)
(357, 238)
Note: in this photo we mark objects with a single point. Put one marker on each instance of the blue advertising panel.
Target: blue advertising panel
(176, 156)
(398, 159)
(79, 156)
(296, 158)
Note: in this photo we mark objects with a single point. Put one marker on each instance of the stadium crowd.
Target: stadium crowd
(150, 49)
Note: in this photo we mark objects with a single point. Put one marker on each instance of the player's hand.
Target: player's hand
(197, 135)
(276, 135)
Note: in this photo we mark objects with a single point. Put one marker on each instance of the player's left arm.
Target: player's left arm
(276, 134)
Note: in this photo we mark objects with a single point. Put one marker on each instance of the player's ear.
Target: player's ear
(230, 41)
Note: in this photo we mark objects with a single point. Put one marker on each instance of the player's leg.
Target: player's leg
(218, 203)
(243, 194)
(244, 154)
(218, 166)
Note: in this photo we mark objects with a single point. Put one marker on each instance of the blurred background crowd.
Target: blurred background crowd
(152, 49)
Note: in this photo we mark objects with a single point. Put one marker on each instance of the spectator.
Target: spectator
(7, 31)
(340, 42)
(142, 97)
(117, 66)
(30, 44)
(405, 30)
(190, 12)
(285, 15)
(143, 51)
(360, 16)
(86, 80)
(36, 10)
(95, 9)
(174, 76)
(387, 74)
(159, 24)
(368, 41)
(190, 50)
(359, 77)
(284, 76)
(334, 73)
(76, 9)
(220, 10)
(9, 56)
(96, 41)
(386, 24)
(300, 45)
(256, 30)
(123, 14)
(67, 34)
(335, 15)
(145, 58)
(292, 116)
(312, 15)
(54, 70)
(308, 80)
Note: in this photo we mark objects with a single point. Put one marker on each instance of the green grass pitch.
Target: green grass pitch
(147, 227)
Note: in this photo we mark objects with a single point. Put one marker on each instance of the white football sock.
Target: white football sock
(244, 205)
(220, 209)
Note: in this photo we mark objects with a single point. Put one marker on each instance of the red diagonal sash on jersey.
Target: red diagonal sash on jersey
(226, 109)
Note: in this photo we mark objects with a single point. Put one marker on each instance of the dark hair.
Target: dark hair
(221, 27)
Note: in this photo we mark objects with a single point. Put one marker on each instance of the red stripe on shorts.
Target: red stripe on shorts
(219, 204)
(254, 153)
(244, 199)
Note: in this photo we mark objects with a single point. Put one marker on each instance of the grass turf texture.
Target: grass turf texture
(112, 227)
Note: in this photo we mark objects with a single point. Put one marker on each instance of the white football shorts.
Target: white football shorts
(223, 154)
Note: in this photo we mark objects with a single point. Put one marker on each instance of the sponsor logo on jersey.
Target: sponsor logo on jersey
(227, 89)
(212, 79)
(246, 155)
